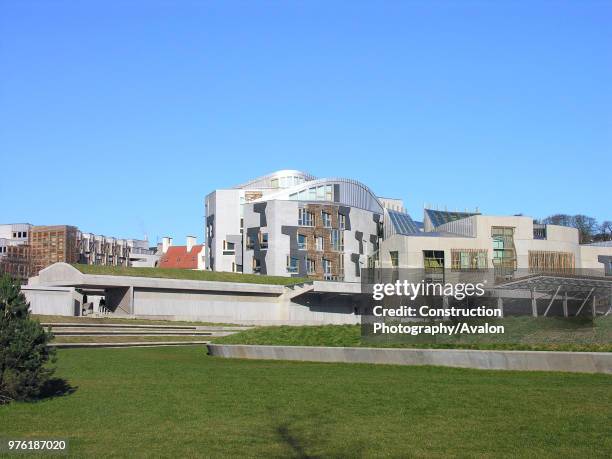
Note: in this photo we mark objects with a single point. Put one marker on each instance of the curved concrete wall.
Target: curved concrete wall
(584, 362)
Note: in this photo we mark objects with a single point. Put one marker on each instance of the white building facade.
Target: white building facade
(289, 223)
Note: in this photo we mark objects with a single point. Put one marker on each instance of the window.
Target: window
(341, 221)
(310, 266)
(327, 268)
(274, 183)
(292, 264)
(433, 260)
(319, 243)
(326, 218)
(337, 240)
(468, 259)
(263, 240)
(250, 242)
(25, 234)
(301, 241)
(256, 265)
(228, 248)
(305, 218)
(14, 234)
(504, 257)
(394, 258)
(329, 193)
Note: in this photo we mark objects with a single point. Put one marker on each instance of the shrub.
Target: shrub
(23, 347)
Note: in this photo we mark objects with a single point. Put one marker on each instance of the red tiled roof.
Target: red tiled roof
(178, 257)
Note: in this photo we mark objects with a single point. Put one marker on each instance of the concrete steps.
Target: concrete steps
(127, 344)
(99, 334)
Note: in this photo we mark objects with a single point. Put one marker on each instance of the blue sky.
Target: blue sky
(119, 117)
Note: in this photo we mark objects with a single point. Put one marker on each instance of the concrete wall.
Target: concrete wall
(57, 301)
(238, 308)
(224, 207)
(584, 362)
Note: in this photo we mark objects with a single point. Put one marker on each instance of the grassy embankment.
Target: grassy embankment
(188, 274)
(522, 333)
(178, 402)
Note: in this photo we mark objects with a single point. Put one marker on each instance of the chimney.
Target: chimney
(166, 242)
(191, 241)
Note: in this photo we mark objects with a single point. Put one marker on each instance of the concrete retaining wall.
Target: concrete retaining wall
(585, 362)
(59, 301)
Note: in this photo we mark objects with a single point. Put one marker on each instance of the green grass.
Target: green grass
(188, 274)
(178, 402)
(522, 333)
(118, 320)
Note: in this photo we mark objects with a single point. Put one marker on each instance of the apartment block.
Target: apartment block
(52, 244)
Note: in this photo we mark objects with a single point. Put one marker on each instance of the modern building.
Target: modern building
(289, 223)
(53, 244)
(111, 251)
(25, 249)
(15, 250)
(463, 242)
(188, 256)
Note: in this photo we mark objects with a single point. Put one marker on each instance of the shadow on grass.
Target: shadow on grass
(293, 442)
(56, 387)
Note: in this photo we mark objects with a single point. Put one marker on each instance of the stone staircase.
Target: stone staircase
(74, 334)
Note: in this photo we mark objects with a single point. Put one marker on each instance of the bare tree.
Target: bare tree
(587, 227)
(606, 230)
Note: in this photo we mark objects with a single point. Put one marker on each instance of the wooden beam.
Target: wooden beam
(585, 300)
(551, 300)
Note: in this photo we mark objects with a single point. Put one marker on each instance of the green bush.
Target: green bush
(23, 347)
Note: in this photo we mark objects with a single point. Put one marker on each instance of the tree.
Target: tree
(559, 219)
(587, 226)
(24, 350)
(606, 230)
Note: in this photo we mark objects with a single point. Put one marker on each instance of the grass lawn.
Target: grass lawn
(189, 274)
(522, 333)
(178, 402)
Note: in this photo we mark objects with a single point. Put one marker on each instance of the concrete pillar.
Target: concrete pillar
(593, 306)
(500, 305)
(565, 304)
(534, 304)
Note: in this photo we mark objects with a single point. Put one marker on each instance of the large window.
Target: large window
(301, 241)
(433, 260)
(319, 243)
(256, 265)
(305, 218)
(315, 193)
(327, 268)
(394, 258)
(341, 221)
(504, 255)
(468, 259)
(292, 264)
(337, 240)
(326, 219)
(229, 248)
(263, 240)
(250, 242)
(310, 266)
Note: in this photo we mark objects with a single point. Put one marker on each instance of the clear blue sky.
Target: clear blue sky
(120, 116)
